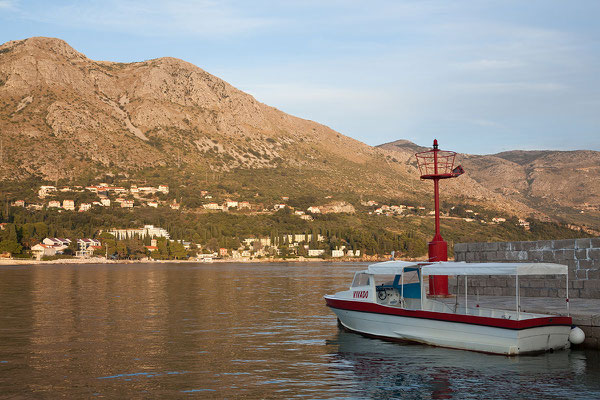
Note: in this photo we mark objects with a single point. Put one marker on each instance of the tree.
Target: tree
(213, 244)
(177, 250)
(10, 246)
(163, 249)
(109, 246)
(122, 249)
(72, 249)
(135, 247)
(9, 233)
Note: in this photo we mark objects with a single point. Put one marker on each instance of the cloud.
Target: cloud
(483, 122)
(321, 102)
(511, 87)
(8, 4)
(488, 64)
(202, 18)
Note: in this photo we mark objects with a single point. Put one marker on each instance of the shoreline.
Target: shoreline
(101, 260)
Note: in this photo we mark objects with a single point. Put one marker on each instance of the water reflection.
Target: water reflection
(233, 330)
(384, 369)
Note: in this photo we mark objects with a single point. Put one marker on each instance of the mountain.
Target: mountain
(562, 184)
(103, 114)
(67, 118)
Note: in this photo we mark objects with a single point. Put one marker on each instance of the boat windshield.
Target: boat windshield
(386, 280)
(360, 279)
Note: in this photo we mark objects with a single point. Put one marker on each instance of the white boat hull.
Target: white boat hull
(427, 328)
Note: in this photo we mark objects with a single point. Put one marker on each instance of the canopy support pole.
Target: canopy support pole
(402, 289)
(422, 289)
(457, 293)
(568, 311)
(518, 301)
(466, 298)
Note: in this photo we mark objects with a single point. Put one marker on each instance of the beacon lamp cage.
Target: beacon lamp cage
(444, 159)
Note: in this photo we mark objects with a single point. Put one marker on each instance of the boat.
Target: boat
(388, 300)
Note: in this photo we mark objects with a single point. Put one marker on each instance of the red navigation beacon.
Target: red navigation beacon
(438, 164)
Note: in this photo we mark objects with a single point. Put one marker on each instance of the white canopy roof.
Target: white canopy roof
(390, 267)
(462, 268)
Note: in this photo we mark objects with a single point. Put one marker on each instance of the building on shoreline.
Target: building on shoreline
(147, 230)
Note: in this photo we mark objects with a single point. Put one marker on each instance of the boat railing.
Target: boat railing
(498, 313)
(440, 306)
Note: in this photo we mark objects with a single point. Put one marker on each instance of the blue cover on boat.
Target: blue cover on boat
(411, 290)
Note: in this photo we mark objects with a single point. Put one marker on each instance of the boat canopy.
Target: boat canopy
(463, 268)
(394, 267)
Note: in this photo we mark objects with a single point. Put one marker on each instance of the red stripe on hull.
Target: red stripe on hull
(465, 319)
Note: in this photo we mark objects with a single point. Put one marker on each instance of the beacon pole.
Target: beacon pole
(438, 164)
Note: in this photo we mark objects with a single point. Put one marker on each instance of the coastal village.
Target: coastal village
(298, 245)
(145, 196)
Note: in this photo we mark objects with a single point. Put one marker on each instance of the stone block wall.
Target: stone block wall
(582, 256)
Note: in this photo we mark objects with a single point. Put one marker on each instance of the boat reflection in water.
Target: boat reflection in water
(383, 369)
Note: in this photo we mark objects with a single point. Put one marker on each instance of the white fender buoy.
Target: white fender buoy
(576, 336)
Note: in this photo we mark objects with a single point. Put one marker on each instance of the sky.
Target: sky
(481, 76)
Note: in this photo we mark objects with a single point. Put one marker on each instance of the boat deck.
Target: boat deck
(585, 312)
(491, 310)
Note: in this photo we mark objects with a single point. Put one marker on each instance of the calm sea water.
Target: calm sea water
(235, 331)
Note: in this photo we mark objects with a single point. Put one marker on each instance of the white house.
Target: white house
(212, 206)
(45, 190)
(57, 242)
(231, 204)
(315, 252)
(337, 253)
(163, 189)
(87, 243)
(244, 204)
(40, 250)
(127, 204)
(87, 247)
(50, 247)
(54, 204)
(69, 205)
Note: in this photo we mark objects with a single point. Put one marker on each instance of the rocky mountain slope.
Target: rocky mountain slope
(562, 184)
(64, 116)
